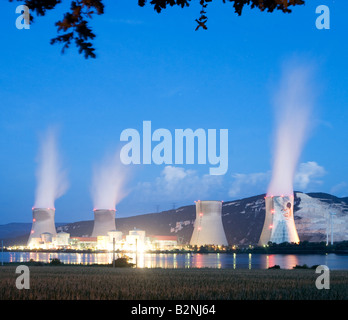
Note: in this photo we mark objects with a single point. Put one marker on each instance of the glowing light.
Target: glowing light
(34, 220)
(270, 226)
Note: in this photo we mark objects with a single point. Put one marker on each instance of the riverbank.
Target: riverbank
(85, 283)
(304, 247)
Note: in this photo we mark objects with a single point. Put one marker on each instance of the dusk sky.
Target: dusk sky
(156, 67)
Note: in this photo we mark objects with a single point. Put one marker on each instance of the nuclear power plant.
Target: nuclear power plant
(43, 225)
(279, 225)
(104, 221)
(208, 228)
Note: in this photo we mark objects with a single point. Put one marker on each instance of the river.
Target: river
(187, 260)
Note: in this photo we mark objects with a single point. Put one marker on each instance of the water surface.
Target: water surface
(187, 260)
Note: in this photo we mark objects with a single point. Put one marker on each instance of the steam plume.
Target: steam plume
(293, 106)
(109, 180)
(51, 180)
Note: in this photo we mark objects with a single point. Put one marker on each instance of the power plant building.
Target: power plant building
(61, 239)
(43, 227)
(164, 242)
(83, 242)
(279, 225)
(208, 227)
(104, 222)
(114, 234)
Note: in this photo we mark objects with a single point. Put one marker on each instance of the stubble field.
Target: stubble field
(95, 283)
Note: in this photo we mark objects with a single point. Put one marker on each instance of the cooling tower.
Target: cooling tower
(43, 222)
(279, 225)
(208, 228)
(104, 221)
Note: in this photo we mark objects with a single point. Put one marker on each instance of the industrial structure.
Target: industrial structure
(279, 225)
(104, 221)
(208, 227)
(135, 241)
(43, 226)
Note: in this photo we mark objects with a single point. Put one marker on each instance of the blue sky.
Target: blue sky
(155, 67)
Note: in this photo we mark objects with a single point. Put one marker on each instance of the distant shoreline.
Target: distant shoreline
(304, 247)
(302, 252)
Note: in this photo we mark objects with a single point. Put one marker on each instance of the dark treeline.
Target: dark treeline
(272, 248)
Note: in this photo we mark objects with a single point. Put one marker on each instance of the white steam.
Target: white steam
(51, 179)
(109, 180)
(293, 106)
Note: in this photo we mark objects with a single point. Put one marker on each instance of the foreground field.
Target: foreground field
(72, 283)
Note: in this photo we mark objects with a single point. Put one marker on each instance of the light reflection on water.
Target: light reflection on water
(188, 260)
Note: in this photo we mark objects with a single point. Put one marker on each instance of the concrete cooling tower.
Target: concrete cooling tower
(208, 228)
(279, 225)
(104, 221)
(43, 222)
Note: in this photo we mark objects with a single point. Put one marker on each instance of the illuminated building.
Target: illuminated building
(136, 240)
(208, 227)
(102, 242)
(164, 242)
(104, 221)
(83, 242)
(279, 225)
(61, 239)
(43, 222)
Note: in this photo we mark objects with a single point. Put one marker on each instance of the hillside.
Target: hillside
(242, 219)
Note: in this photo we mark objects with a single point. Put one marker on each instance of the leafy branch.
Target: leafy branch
(75, 27)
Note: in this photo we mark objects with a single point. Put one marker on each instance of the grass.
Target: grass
(93, 283)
